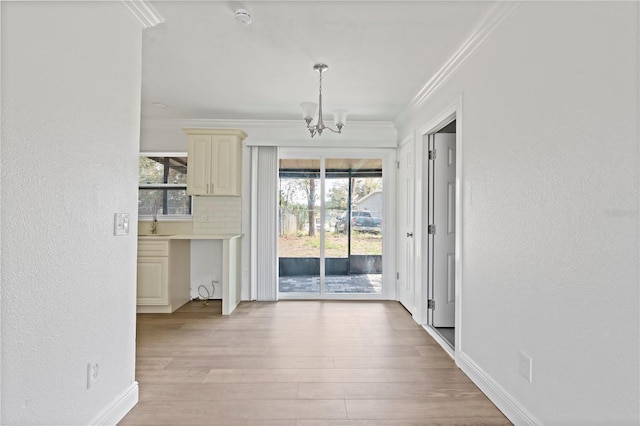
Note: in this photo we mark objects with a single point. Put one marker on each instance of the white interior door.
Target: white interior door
(405, 204)
(444, 219)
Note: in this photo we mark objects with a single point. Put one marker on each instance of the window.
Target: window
(162, 186)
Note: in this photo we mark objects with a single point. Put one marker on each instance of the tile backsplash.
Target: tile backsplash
(217, 215)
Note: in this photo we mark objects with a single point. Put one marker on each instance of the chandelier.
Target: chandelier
(309, 110)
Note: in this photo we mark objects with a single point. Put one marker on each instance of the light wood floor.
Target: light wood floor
(299, 363)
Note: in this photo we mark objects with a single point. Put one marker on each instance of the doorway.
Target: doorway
(330, 226)
(440, 227)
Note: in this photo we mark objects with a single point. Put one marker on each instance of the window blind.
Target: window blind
(264, 222)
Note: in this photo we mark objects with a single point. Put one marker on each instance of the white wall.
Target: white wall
(550, 209)
(206, 266)
(70, 130)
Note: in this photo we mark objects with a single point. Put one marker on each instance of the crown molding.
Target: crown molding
(166, 123)
(486, 25)
(275, 132)
(143, 12)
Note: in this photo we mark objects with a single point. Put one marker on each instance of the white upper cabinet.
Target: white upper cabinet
(215, 161)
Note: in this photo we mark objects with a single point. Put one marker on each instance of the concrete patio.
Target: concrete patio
(361, 283)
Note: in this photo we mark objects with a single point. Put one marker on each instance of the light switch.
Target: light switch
(121, 224)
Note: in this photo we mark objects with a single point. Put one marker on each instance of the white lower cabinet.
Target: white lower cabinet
(163, 275)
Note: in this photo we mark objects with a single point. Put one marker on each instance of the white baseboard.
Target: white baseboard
(511, 408)
(115, 412)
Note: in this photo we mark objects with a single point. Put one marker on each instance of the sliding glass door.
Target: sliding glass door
(331, 226)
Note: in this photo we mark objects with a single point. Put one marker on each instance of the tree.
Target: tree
(365, 186)
(151, 171)
(311, 201)
(298, 196)
(337, 191)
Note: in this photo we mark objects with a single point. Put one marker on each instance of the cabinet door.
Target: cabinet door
(225, 170)
(153, 281)
(199, 173)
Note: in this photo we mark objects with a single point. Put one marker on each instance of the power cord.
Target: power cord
(208, 295)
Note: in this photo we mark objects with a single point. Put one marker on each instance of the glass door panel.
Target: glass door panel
(299, 233)
(354, 197)
(366, 234)
(336, 235)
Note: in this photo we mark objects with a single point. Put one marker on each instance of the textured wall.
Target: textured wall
(550, 208)
(70, 130)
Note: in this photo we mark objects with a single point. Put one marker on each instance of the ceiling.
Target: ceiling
(203, 64)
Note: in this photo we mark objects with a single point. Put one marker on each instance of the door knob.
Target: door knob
(410, 234)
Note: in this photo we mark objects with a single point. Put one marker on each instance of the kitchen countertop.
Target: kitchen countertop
(190, 237)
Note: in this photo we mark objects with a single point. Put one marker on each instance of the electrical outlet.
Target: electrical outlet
(93, 372)
(525, 366)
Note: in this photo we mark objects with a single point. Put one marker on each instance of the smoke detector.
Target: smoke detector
(243, 16)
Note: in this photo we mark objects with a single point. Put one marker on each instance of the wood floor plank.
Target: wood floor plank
(368, 391)
(419, 338)
(226, 422)
(261, 340)
(279, 375)
(217, 391)
(474, 407)
(452, 375)
(152, 363)
(249, 362)
(431, 421)
(193, 350)
(441, 360)
(343, 351)
(227, 412)
(302, 363)
(185, 375)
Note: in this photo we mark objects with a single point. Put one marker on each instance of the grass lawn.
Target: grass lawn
(300, 245)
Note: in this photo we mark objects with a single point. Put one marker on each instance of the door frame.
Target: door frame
(388, 156)
(448, 114)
